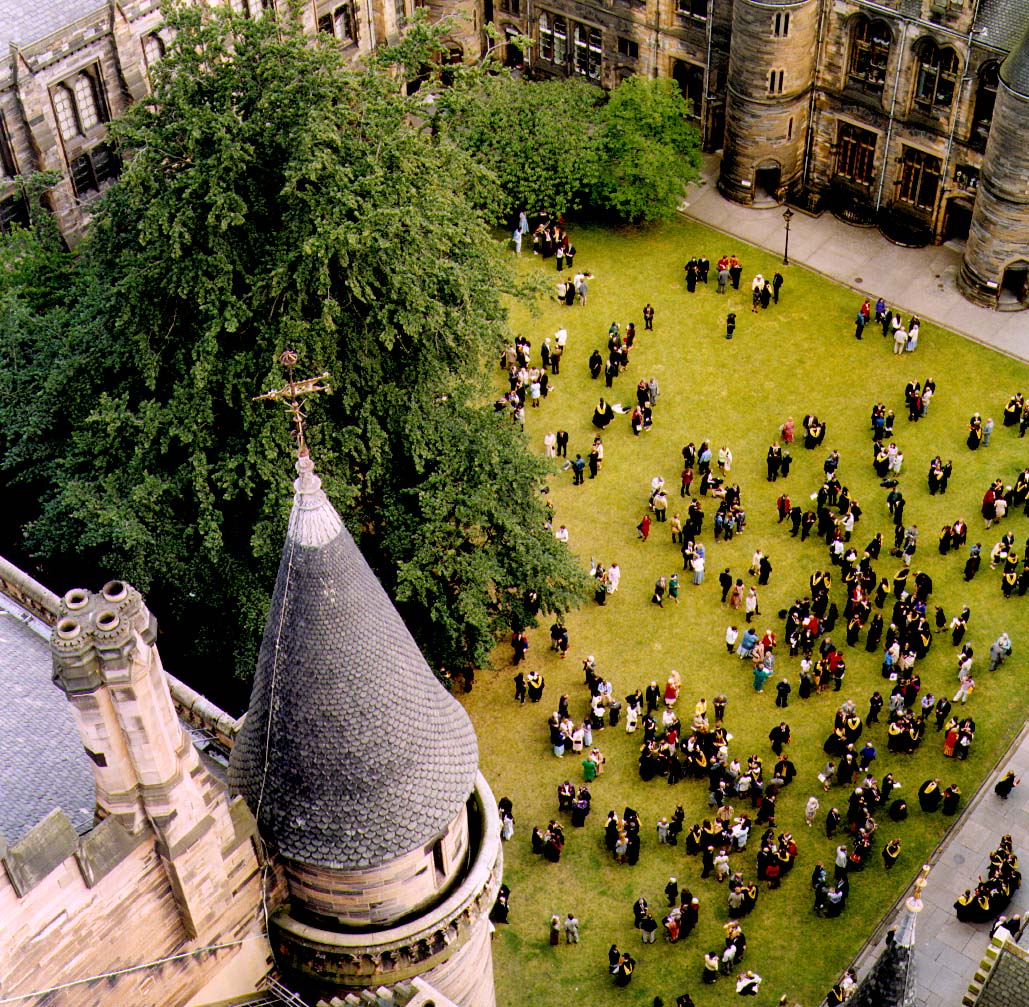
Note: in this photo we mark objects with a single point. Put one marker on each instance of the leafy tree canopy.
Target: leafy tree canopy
(541, 139)
(275, 196)
(559, 145)
(650, 150)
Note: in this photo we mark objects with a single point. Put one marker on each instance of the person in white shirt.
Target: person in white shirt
(614, 575)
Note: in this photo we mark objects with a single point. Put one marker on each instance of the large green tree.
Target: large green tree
(650, 150)
(542, 139)
(557, 146)
(274, 196)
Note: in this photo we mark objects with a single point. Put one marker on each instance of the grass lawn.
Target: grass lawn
(798, 357)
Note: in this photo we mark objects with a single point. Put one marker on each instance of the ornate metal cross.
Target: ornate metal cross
(291, 393)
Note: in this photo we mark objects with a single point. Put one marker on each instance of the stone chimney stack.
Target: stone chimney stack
(148, 774)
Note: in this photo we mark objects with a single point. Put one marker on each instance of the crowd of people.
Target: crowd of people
(905, 340)
(876, 598)
(992, 894)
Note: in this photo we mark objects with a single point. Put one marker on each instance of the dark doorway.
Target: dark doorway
(513, 55)
(767, 181)
(690, 79)
(1014, 287)
(957, 220)
(715, 138)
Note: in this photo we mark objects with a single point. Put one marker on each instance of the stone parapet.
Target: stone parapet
(380, 896)
(1000, 980)
(27, 592)
(329, 963)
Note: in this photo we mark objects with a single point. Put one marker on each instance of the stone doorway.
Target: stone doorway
(1013, 294)
(957, 220)
(513, 55)
(767, 183)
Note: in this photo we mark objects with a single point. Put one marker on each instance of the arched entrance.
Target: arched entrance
(1013, 294)
(957, 219)
(767, 182)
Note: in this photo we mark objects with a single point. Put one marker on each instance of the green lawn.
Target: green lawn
(797, 357)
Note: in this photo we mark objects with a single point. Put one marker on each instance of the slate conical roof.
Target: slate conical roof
(888, 983)
(891, 980)
(352, 753)
(1014, 71)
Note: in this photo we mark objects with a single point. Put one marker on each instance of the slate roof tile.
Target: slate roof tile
(1014, 71)
(42, 765)
(25, 21)
(1002, 23)
(352, 753)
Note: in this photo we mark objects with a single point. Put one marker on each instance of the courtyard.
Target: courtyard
(795, 358)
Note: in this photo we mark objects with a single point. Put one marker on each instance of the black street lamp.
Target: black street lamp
(787, 216)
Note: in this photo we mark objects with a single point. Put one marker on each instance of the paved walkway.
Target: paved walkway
(922, 281)
(948, 953)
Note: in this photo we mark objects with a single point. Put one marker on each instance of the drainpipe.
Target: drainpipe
(893, 108)
(371, 24)
(957, 105)
(814, 94)
(656, 71)
(707, 72)
(954, 115)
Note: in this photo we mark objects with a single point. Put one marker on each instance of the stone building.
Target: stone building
(879, 112)
(348, 848)
(885, 113)
(128, 874)
(73, 66)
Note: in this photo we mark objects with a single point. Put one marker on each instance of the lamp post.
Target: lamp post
(787, 216)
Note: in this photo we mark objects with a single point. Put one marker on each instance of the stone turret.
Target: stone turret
(362, 773)
(996, 259)
(771, 73)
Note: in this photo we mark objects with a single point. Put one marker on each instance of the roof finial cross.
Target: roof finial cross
(291, 394)
(921, 881)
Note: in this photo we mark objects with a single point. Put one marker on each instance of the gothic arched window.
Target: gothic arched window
(153, 48)
(64, 107)
(77, 105)
(596, 53)
(560, 39)
(869, 54)
(985, 96)
(85, 98)
(581, 50)
(936, 78)
(546, 33)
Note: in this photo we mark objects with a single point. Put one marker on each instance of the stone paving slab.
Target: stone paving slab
(948, 952)
(943, 982)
